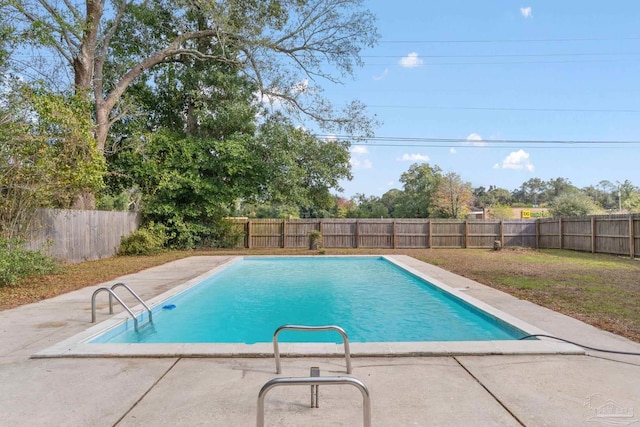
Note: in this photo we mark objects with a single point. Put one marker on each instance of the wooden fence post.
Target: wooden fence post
(560, 231)
(357, 234)
(537, 233)
(632, 241)
(502, 233)
(430, 231)
(593, 234)
(249, 234)
(284, 233)
(466, 233)
(395, 238)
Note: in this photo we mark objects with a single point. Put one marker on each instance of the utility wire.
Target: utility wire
(555, 110)
(546, 147)
(496, 141)
(587, 39)
(508, 55)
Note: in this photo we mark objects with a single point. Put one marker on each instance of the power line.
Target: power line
(517, 141)
(510, 55)
(568, 61)
(511, 40)
(555, 110)
(546, 147)
(449, 141)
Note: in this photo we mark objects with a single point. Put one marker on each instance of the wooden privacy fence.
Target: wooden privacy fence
(75, 235)
(612, 234)
(609, 234)
(388, 233)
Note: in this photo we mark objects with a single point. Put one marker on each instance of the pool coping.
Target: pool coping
(78, 345)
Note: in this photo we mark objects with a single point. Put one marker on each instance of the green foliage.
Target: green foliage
(48, 157)
(116, 202)
(500, 212)
(17, 263)
(315, 239)
(491, 197)
(421, 182)
(223, 234)
(64, 124)
(144, 241)
(571, 204)
(367, 207)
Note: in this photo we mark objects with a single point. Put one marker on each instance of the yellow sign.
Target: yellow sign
(526, 213)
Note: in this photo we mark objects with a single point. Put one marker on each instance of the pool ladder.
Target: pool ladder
(345, 340)
(113, 295)
(314, 379)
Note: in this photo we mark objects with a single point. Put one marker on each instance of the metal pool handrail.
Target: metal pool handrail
(366, 399)
(124, 285)
(345, 340)
(111, 293)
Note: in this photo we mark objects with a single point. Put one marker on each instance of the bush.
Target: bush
(315, 240)
(145, 241)
(223, 234)
(17, 263)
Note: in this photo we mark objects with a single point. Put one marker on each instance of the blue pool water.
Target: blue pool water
(371, 298)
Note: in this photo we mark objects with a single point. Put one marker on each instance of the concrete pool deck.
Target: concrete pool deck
(533, 390)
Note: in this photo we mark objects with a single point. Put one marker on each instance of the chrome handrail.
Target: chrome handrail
(93, 305)
(345, 340)
(366, 399)
(124, 285)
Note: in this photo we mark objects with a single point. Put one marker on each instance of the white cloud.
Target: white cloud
(476, 139)
(359, 150)
(411, 61)
(382, 76)
(517, 160)
(414, 158)
(526, 12)
(357, 161)
(452, 150)
(360, 163)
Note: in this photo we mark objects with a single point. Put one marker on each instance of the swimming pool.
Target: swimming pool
(84, 343)
(371, 298)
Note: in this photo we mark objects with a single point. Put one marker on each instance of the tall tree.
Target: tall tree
(573, 204)
(420, 182)
(491, 197)
(284, 46)
(454, 197)
(558, 186)
(368, 207)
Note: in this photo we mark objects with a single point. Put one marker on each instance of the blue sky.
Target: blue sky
(475, 71)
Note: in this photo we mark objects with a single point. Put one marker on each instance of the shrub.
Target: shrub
(315, 239)
(144, 241)
(223, 234)
(17, 263)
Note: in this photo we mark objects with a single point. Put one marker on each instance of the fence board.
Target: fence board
(412, 233)
(576, 233)
(76, 236)
(448, 234)
(482, 234)
(339, 233)
(612, 234)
